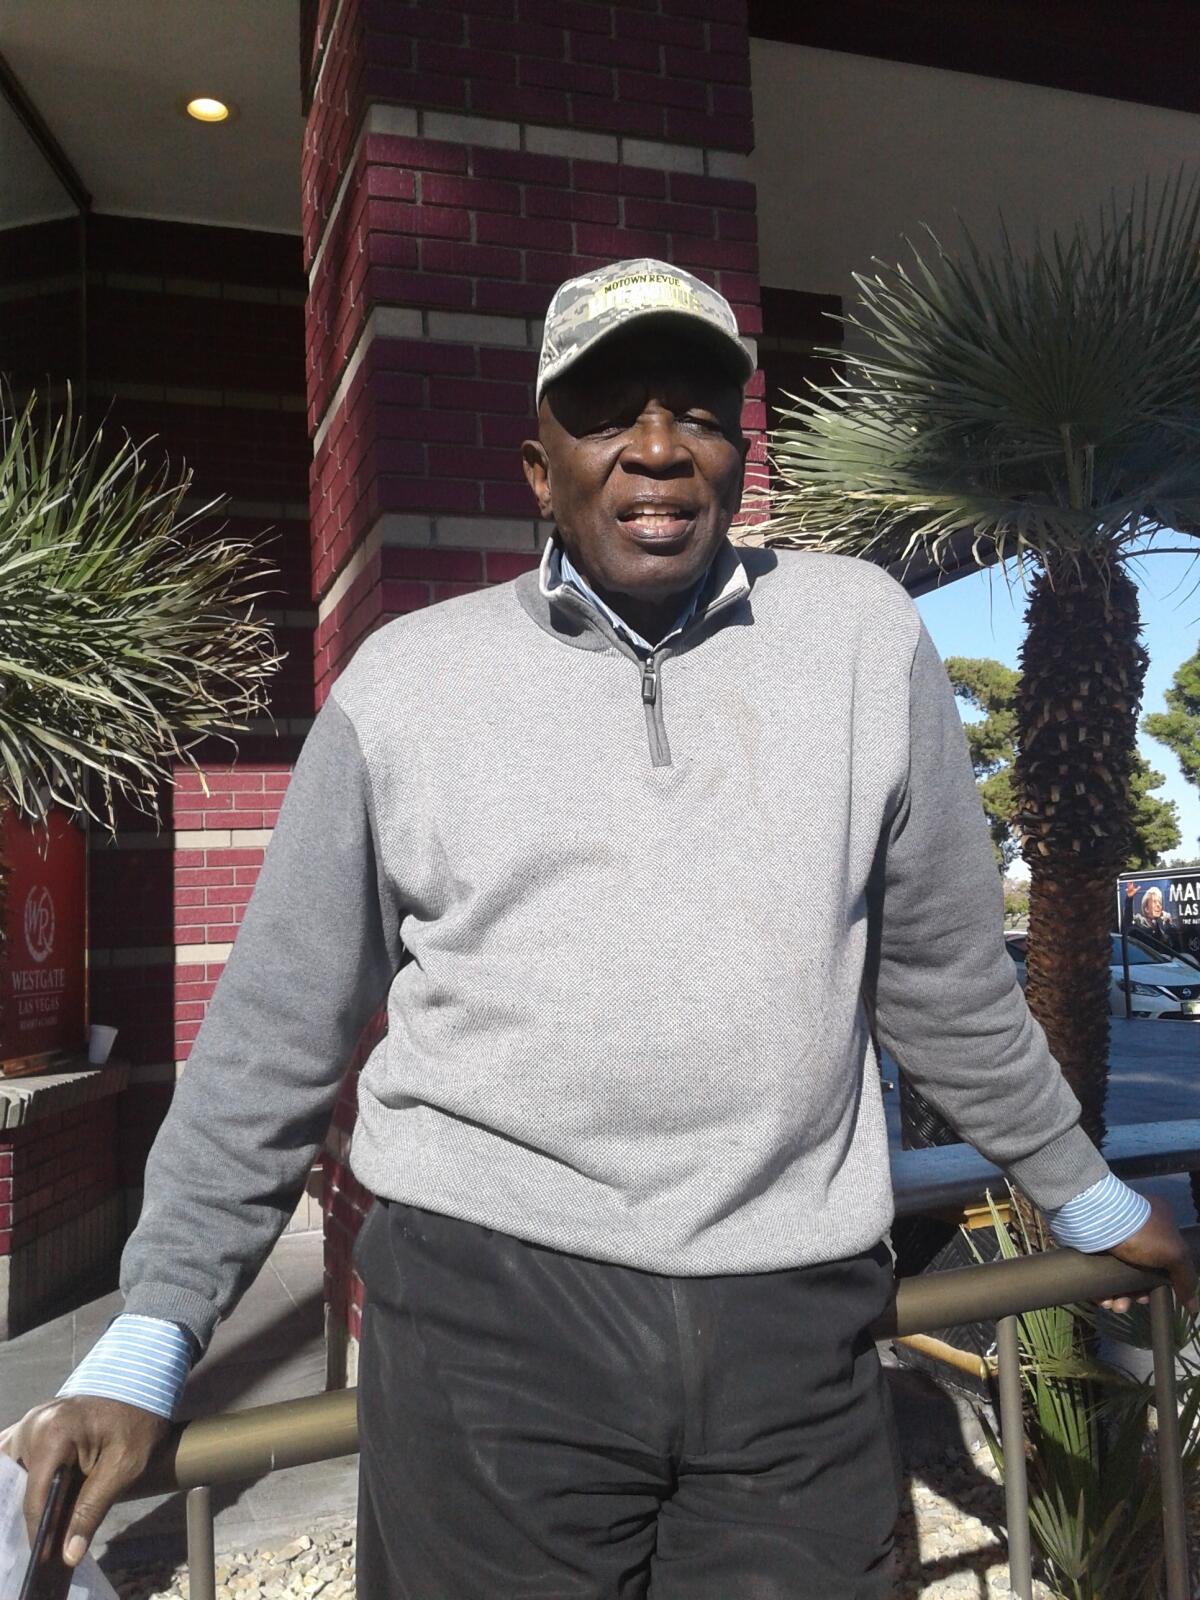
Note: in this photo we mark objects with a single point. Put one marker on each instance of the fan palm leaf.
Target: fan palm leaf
(1040, 410)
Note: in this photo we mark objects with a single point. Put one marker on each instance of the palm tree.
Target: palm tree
(1039, 410)
(127, 628)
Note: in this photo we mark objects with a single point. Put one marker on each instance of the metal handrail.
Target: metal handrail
(945, 1177)
(241, 1445)
(237, 1445)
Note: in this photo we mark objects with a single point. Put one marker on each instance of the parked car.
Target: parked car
(1162, 985)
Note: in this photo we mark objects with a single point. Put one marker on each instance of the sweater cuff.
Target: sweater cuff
(1060, 1170)
(169, 1303)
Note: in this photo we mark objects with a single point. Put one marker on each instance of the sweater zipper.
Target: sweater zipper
(656, 731)
(651, 665)
(656, 728)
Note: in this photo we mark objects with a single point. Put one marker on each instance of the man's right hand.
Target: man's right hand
(1158, 1243)
(108, 1441)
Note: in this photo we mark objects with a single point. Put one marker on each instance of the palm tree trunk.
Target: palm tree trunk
(1077, 709)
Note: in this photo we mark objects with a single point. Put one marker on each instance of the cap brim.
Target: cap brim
(691, 329)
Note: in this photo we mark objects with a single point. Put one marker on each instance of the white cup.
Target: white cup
(100, 1042)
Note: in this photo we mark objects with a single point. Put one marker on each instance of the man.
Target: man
(625, 1126)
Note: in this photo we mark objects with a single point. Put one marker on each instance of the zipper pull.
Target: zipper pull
(649, 680)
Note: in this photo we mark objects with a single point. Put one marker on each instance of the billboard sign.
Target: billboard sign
(1163, 907)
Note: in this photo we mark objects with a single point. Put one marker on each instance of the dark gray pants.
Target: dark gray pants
(533, 1424)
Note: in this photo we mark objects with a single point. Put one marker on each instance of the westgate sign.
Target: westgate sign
(42, 985)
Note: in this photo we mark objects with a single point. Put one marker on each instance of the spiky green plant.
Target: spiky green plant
(1095, 1499)
(127, 626)
(1041, 410)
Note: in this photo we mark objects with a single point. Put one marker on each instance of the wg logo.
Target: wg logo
(39, 923)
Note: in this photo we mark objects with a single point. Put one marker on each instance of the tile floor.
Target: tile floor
(272, 1348)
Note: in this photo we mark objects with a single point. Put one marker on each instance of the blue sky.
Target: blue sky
(981, 616)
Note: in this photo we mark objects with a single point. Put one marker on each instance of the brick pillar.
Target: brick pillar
(459, 162)
(61, 1210)
(195, 341)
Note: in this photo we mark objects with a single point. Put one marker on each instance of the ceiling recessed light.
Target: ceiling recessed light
(205, 109)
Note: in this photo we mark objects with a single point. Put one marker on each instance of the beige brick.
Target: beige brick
(402, 528)
(664, 157)
(572, 142)
(727, 164)
(452, 126)
(388, 322)
(463, 327)
(486, 533)
(189, 955)
(223, 838)
(401, 120)
(202, 838)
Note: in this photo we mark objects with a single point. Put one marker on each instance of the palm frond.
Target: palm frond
(128, 630)
(1017, 406)
(1095, 1503)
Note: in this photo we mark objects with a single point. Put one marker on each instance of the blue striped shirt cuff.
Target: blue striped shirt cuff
(1104, 1215)
(143, 1361)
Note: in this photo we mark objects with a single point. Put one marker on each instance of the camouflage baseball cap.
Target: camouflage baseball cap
(587, 309)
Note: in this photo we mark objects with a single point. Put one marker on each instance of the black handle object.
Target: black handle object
(46, 1565)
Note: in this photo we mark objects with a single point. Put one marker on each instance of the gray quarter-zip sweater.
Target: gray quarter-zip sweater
(649, 907)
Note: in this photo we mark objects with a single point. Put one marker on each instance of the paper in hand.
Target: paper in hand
(87, 1581)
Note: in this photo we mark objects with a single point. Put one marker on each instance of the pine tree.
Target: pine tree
(992, 688)
(1179, 726)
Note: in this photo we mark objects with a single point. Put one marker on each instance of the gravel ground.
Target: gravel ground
(950, 1547)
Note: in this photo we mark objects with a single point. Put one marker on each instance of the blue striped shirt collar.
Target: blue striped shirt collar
(560, 569)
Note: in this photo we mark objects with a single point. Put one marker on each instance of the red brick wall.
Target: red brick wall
(54, 1170)
(196, 336)
(41, 281)
(430, 425)
(459, 162)
(669, 70)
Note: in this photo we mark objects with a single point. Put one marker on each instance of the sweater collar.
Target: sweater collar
(568, 573)
(563, 609)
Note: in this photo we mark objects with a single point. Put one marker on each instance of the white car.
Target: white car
(1162, 986)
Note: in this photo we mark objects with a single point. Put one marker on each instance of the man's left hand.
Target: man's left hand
(1158, 1243)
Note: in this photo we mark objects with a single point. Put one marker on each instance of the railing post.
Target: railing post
(1170, 1462)
(202, 1562)
(1012, 1439)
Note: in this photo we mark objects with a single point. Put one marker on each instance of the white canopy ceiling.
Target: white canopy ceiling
(110, 78)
